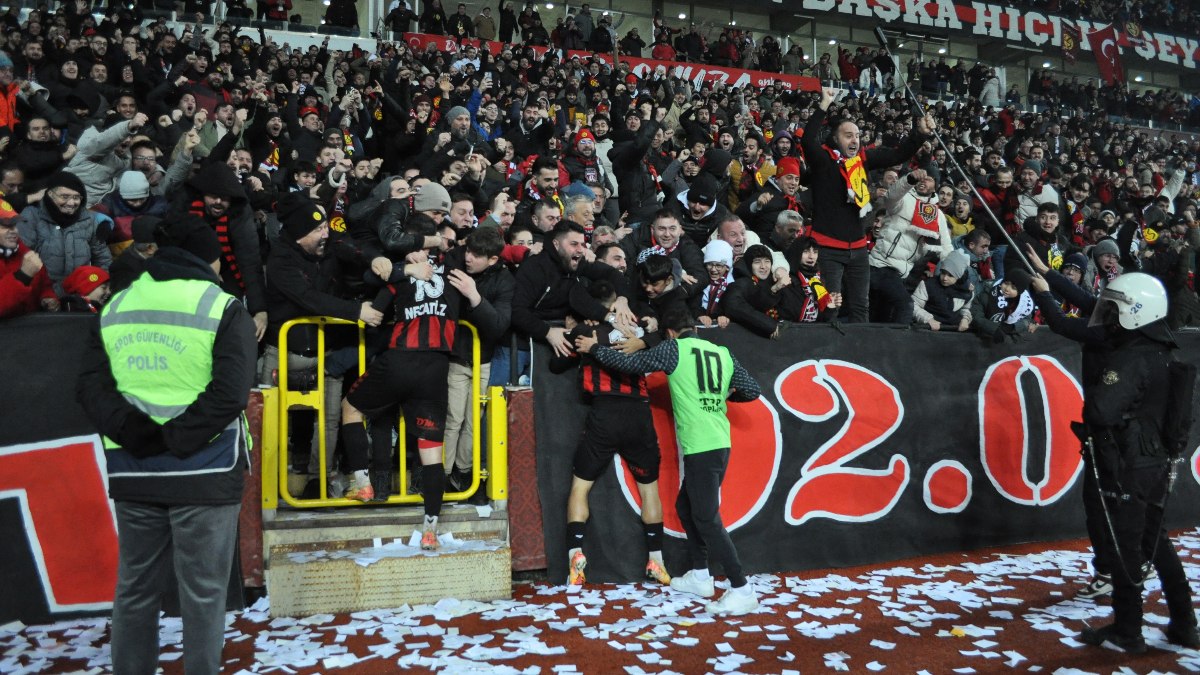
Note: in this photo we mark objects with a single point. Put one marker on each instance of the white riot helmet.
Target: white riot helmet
(1135, 298)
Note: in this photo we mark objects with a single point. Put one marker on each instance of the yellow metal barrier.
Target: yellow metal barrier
(275, 459)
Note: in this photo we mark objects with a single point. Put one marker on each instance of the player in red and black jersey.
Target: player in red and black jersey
(618, 422)
(412, 373)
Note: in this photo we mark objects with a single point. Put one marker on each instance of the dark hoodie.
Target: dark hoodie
(749, 301)
(1051, 248)
(241, 261)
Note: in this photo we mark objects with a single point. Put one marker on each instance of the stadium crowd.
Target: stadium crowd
(541, 189)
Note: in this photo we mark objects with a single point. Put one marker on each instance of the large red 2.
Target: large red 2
(1004, 437)
(754, 459)
(72, 532)
(814, 392)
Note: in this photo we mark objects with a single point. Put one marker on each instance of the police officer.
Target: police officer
(166, 375)
(1130, 439)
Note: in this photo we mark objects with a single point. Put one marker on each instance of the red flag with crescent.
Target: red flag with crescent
(1108, 56)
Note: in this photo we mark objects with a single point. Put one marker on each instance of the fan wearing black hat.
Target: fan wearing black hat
(300, 282)
(175, 447)
(215, 195)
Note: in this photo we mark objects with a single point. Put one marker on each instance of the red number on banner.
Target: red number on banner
(1196, 465)
(70, 525)
(814, 392)
(1004, 437)
(753, 459)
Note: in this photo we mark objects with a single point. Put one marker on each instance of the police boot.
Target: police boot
(381, 482)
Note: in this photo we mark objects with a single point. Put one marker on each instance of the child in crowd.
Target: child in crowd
(946, 300)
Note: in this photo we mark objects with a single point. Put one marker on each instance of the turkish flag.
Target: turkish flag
(1108, 56)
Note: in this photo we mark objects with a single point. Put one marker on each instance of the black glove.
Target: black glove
(142, 437)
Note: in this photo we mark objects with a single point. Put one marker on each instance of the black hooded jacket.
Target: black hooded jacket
(243, 258)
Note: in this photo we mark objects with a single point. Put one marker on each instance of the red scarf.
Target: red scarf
(228, 260)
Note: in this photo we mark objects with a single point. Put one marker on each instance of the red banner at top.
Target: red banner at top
(697, 73)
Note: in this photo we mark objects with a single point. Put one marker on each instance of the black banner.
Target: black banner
(55, 517)
(872, 445)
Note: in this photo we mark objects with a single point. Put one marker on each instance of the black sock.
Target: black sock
(433, 486)
(653, 532)
(358, 447)
(575, 535)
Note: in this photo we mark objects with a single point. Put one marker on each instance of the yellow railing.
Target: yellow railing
(278, 402)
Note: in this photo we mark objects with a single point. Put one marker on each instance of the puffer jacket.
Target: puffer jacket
(62, 249)
(96, 164)
(901, 244)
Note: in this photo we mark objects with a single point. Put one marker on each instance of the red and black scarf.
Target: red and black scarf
(228, 259)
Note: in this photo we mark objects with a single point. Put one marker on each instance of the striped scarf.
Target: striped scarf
(228, 259)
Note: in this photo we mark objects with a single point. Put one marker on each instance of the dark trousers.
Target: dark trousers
(847, 271)
(890, 301)
(698, 506)
(201, 539)
(1138, 525)
(1097, 528)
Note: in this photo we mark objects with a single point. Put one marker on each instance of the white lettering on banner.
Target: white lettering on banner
(819, 5)
(887, 10)
(1034, 25)
(1190, 48)
(1166, 48)
(1146, 49)
(987, 20)
(855, 7)
(916, 14)
(947, 16)
(1014, 25)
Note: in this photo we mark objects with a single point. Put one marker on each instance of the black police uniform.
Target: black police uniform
(1126, 388)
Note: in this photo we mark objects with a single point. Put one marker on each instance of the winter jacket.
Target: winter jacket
(192, 434)
(299, 284)
(19, 293)
(83, 242)
(837, 221)
(901, 243)
(491, 317)
(219, 179)
(748, 299)
(545, 291)
(638, 189)
(96, 164)
(698, 230)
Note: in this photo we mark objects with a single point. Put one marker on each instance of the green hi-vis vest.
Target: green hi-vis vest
(699, 385)
(159, 337)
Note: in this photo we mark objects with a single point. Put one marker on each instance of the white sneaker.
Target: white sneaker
(692, 583)
(735, 602)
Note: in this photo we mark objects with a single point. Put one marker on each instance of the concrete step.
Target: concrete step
(335, 526)
(358, 575)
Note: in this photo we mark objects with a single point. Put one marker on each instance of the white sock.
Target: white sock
(656, 556)
(701, 575)
(362, 478)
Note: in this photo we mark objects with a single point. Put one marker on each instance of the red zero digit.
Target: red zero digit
(753, 459)
(73, 532)
(1196, 465)
(814, 391)
(1004, 437)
